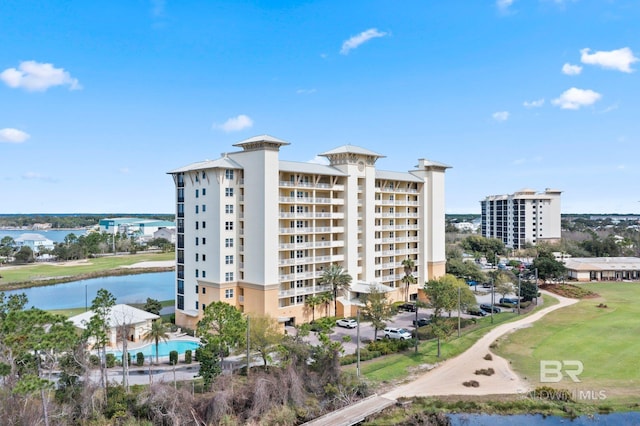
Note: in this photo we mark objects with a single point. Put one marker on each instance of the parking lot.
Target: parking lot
(402, 319)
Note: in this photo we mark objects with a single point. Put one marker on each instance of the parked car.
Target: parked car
(410, 307)
(488, 308)
(508, 301)
(347, 322)
(396, 333)
(422, 322)
(476, 311)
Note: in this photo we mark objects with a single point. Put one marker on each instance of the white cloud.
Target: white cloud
(503, 5)
(10, 135)
(37, 176)
(357, 40)
(569, 69)
(319, 160)
(533, 104)
(235, 124)
(620, 59)
(305, 91)
(501, 115)
(37, 77)
(157, 7)
(576, 98)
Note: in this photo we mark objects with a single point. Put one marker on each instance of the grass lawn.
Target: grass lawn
(75, 311)
(396, 367)
(40, 271)
(605, 340)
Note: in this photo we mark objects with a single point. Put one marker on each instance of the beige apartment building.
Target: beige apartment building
(257, 232)
(524, 217)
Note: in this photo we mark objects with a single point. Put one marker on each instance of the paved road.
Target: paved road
(447, 378)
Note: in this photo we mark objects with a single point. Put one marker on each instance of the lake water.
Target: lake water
(125, 288)
(615, 419)
(55, 235)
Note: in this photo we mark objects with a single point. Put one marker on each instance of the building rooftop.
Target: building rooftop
(120, 314)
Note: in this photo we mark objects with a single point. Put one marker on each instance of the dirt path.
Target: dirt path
(447, 378)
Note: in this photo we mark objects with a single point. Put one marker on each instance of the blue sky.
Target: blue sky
(98, 100)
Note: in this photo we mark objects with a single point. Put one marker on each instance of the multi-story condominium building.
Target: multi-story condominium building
(258, 232)
(522, 218)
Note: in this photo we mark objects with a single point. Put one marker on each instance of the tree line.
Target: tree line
(80, 247)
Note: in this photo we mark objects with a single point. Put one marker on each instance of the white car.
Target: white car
(396, 333)
(347, 322)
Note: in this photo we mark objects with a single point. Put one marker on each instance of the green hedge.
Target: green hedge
(187, 356)
(139, 359)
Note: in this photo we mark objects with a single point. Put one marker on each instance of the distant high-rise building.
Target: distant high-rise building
(257, 232)
(524, 217)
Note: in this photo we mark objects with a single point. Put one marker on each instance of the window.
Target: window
(197, 273)
(228, 226)
(196, 224)
(299, 299)
(228, 276)
(197, 240)
(204, 257)
(228, 173)
(228, 192)
(197, 207)
(299, 268)
(228, 242)
(228, 293)
(197, 305)
(204, 208)
(204, 224)
(180, 302)
(204, 191)
(197, 257)
(204, 307)
(228, 260)
(196, 288)
(204, 241)
(180, 287)
(228, 208)
(197, 193)
(204, 175)
(204, 290)
(204, 274)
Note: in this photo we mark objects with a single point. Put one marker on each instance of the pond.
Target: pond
(125, 288)
(614, 419)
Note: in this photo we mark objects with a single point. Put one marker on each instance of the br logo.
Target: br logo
(551, 370)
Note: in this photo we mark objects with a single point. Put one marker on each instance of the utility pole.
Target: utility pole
(415, 345)
(519, 274)
(459, 289)
(248, 346)
(536, 286)
(492, 293)
(358, 344)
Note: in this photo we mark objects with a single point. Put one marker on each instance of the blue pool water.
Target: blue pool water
(181, 346)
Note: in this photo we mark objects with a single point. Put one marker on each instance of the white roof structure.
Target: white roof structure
(299, 167)
(364, 287)
(351, 149)
(120, 314)
(385, 174)
(602, 263)
(31, 237)
(220, 163)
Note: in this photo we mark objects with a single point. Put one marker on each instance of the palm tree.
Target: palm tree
(408, 278)
(338, 279)
(157, 333)
(326, 298)
(312, 301)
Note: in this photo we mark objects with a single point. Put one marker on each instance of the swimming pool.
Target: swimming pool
(181, 346)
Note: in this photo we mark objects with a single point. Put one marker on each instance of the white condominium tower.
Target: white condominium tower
(522, 218)
(257, 232)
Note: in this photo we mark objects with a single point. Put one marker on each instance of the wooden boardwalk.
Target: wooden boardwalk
(353, 414)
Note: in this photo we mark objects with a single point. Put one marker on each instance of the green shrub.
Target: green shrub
(111, 360)
(139, 359)
(187, 356)
(94, 360)
(173, 357)
(323, 325)
(197, 354)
